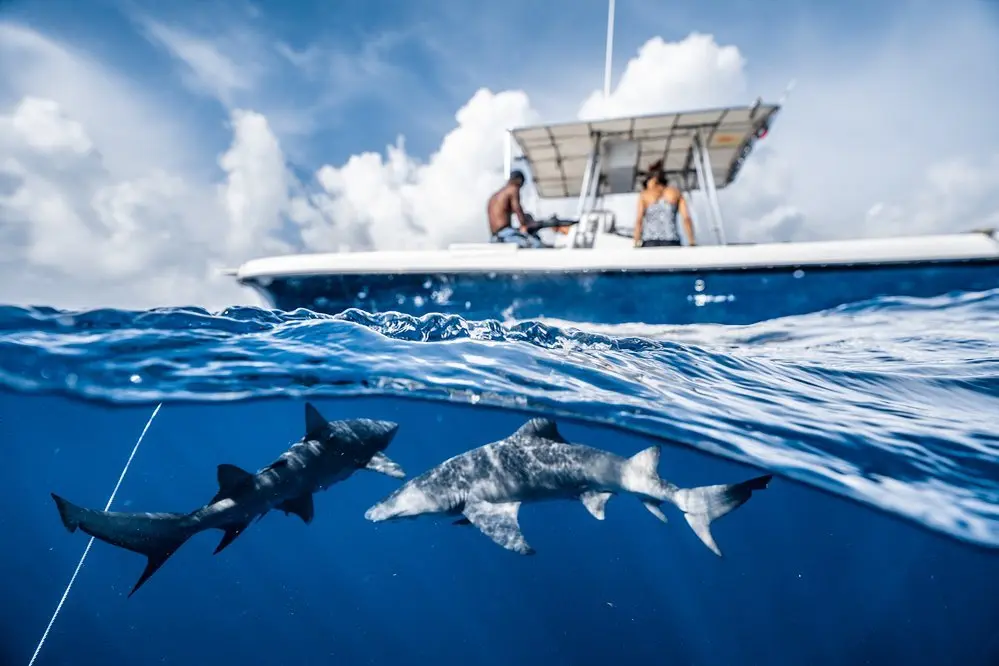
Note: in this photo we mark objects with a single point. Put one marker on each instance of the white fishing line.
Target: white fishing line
(79, 565)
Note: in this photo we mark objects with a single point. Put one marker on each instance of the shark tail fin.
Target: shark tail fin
(705, 504)
(155, 535)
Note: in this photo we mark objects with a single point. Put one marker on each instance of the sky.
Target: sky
(142, 149)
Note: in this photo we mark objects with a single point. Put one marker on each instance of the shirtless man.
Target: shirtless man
(504, 203)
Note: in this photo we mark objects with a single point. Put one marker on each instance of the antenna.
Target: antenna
(610, 49)
(787, 91)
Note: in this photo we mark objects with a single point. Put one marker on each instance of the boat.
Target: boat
(594, 274)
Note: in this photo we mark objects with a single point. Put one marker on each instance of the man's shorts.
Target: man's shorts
(511, 235)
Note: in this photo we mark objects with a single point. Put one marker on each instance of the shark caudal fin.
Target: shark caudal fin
(705, 504)
(155, 535)
(701, 506)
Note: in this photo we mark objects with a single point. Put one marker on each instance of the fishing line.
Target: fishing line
(124, 471)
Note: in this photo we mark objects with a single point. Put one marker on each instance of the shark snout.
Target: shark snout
(384, 431)
(374, 434)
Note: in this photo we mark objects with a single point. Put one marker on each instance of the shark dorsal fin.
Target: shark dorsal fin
(231, 478)
(314, 421)
(277, 464)
(540, 427)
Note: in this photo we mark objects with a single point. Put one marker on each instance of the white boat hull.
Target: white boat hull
(732, 284)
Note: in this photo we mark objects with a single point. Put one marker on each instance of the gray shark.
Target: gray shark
(329, 453)
(487, 486)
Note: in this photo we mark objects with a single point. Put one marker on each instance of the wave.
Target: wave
(890, 402)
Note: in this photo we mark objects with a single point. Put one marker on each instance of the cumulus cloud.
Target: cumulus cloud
(98, 213)
(398, 202)
(960, 193)
(874, 127)
(255, 194)
(115, 113)
(74, 234)
(695, 72)
(90, 214)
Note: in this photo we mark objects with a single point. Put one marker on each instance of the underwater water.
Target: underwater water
(876, 542)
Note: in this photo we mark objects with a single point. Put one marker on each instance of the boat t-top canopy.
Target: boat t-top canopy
(558, 155)
(699, 150)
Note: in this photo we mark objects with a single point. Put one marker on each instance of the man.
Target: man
(504, 203)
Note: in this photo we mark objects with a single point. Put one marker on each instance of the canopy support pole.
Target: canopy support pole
(706, 182)
(589, 176)
(713, 192)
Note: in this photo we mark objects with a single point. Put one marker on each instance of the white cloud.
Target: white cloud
(874, 125)
(81, 230)
(207, 68)
(397, 202)
(695, 72)
(958, 193)
(101, 200)
(38, 123)
(298, 90)
(116, 113)
(256, 190)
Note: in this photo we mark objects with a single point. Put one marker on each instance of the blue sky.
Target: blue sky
(223, 111)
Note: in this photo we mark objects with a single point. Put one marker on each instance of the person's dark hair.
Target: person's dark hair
(658, 174)
(517, 176)
(654, 170)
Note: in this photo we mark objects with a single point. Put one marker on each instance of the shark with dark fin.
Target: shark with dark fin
(487, 486)
(329, 452)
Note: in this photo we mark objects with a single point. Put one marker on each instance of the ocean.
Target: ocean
(876, 542)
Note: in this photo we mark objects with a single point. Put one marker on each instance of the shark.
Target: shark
(328, 453)
(486, 487)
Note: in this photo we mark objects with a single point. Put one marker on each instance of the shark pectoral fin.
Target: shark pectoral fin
(314, 421)
(300, 506)
(595, 503)
(382, 463)
(231, 532)
(231, 479)
(499, 523)
(654, 509)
